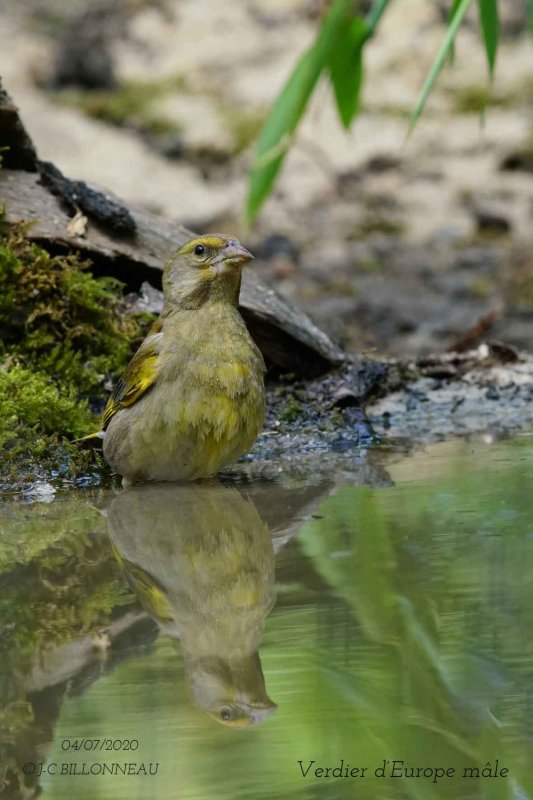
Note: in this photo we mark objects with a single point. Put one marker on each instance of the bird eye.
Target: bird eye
(199, 249)
(225, 714)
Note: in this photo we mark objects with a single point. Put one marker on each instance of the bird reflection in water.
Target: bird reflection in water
(201, 561)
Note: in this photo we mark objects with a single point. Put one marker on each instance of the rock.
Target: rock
(520, 160)
(19, 152)
(504, 353)
(170, 145)
(84, 57)
(276, 245)
(514, 17)
(343, 397)
(383, 162)
(150, 300)
(490, 216)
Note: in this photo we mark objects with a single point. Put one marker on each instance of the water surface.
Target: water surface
(235, 639)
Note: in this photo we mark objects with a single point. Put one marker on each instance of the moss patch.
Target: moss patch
(243, 126)
(32, 405)
(291, 410)
(59, 582)
(129, 105)
(476, 98)
(63, 334)
(376, 223)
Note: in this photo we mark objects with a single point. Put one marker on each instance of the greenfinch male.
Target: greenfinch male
(201, 561)
(192, 399)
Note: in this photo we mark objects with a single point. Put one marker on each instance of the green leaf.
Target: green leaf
(346, 69)
(276, 136)
(530, 15)
(440, 60)
(374, 16)
(278, 130)
(490, 25)
(453, 10)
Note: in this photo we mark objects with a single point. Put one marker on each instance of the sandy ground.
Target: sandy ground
(377, 237)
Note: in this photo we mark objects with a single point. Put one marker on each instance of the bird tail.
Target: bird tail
(93, 441)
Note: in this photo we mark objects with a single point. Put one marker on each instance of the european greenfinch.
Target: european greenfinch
(192, 399)
(201, 561)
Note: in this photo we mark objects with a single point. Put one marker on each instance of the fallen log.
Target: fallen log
(133, 245)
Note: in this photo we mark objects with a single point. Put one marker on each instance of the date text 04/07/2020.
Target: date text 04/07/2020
(88, 744)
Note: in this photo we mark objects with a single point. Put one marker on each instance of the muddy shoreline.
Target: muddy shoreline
(354, 419)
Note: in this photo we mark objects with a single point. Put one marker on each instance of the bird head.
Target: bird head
(207, 267)
(232, 691)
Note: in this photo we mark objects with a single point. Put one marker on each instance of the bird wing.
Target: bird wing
(139, 376)
(150, 592)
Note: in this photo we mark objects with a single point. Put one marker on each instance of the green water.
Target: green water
(240, 637)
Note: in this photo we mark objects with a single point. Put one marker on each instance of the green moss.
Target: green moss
(396, 110)
(129, 105)
(62, 334)
(59, 582)
(37, 422)
(16, 716)
(482, 287)
(476, 98)
(58, 318)
(376, 223)
(290, 410)
(58, 579)
(244, 126)
(341, 287)
(32, 407)
(369, 264)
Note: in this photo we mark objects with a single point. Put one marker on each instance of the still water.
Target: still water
(291, 639)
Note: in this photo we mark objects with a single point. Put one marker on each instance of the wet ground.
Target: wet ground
(231, 640)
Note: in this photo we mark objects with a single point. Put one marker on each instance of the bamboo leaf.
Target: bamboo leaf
(374, 16)
(276, 136)
(278, 130)
(440, 60)
(346, 69)
(453, 10)
(490, 25)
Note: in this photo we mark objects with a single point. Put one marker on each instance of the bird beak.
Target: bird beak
(233, 256)
(259, 714)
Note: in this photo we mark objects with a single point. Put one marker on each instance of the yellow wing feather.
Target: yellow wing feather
(150, 592)
(140, 374)
(138, 377)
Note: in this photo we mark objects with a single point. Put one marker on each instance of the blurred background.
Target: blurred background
(391, 244)
(402, 572)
